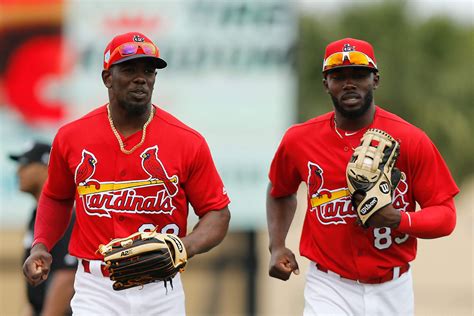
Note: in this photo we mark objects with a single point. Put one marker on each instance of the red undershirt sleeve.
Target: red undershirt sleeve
(430, 222)
(52, 220)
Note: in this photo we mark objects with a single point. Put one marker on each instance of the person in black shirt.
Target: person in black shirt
(53, 296)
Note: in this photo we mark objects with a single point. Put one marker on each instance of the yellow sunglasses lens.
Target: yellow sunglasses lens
(334, 60)
(354, 58)
(357, 58)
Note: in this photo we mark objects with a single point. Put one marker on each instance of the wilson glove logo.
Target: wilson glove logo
(384, 187)
(369, 205)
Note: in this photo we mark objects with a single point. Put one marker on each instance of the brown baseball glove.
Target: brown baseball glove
(142, 258)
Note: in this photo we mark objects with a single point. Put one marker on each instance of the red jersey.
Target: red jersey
(314, 153)
(118, 194)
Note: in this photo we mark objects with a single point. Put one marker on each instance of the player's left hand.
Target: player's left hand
(143, 257)
(387, 216)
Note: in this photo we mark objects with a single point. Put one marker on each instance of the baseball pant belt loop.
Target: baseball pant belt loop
(394, 274)
(95, 267)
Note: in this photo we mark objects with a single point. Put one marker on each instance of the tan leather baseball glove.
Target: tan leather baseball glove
(142, 258)
(371, 173)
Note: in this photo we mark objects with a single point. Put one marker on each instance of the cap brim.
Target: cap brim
(354, 66)
(14, 157)
(160, 63)
(22, 159)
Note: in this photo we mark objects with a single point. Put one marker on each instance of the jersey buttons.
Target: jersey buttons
(121, 218)
(123, 173)
(346, 148)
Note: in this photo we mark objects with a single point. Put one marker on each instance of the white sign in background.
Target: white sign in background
(230, 76)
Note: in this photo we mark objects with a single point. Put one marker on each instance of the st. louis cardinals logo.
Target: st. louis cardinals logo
(334, 206)
(137, 38)
(348, 48)
(102, 198)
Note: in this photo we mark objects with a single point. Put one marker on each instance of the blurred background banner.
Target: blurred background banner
(230, 76)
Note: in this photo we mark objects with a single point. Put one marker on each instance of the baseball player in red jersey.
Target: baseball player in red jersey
(130, 166)
(355, 270)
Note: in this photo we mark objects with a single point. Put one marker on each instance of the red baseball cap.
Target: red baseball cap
(129, 46)
(352, 53)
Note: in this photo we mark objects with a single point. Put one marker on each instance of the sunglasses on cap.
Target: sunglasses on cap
(131, 48)
(354, 57)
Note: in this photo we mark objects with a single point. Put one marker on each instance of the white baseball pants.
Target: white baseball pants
(329, 294)
(94, 295)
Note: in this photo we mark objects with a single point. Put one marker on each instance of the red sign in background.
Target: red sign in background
(32, 50)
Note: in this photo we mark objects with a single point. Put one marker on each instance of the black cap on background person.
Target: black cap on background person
(32, 169)
(37, 152)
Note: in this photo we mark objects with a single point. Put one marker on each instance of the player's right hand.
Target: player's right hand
(37, 265)
(283, 263)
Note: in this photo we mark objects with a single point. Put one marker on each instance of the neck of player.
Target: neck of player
(352, 124)
(128, 122)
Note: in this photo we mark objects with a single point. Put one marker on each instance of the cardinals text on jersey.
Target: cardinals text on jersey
(152, 196)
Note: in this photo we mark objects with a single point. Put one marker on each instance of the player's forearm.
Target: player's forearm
(60, 292)
(52, 220)
(280, 213)
(430, 222)
(208, 232)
